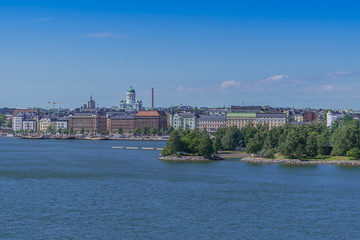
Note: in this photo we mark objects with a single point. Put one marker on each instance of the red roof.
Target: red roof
(147, 114)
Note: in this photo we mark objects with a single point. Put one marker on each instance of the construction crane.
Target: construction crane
(53, 103)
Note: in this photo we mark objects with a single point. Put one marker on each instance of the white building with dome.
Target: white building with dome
(131, 103)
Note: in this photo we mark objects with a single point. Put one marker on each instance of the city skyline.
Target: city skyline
(199, 54)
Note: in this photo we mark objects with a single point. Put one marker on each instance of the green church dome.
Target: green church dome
(131, 89)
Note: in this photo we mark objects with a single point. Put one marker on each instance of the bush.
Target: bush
(268, 154)
(353, 153)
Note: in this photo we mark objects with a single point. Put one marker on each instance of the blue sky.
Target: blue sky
(203, 53)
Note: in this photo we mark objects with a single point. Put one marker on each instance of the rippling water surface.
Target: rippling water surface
(53, 189)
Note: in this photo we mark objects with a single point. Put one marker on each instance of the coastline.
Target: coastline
(77, 137)
(299, 162)
(174, 158)
(245, 157)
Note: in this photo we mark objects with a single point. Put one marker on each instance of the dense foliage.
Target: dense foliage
(193, 142)
(292, 141)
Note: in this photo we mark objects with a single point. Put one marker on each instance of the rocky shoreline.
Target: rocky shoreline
(175, 158)
(299, 162)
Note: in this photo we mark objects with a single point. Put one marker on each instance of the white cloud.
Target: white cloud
(277, 78)
(327, 88)
(106, 35)
(229, 83)
(338, 74)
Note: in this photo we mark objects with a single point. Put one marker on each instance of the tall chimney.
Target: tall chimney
(152, 98)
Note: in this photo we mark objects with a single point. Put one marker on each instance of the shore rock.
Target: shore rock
(175, 158)
(299, 162)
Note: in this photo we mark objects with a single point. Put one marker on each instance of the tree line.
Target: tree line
(293, 141)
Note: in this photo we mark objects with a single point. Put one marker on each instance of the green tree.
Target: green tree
(232, 138)
(154, 131)
(120, 131)
(347, 118)
(2, 119)
(206, 146)
(311, 144)
(294, 144)
(49, 129)
(87, 131)
(248, 132)
(173, 145)
(322, 144)
(161, 132)
(255, 144)
(191, 140)
(169, 131)
(146, 130)
(217, 142)
(82, 130)
(344, 138)
(9, 124)
(137, 131)
(60, 130)
(272, 138)
(353, 153)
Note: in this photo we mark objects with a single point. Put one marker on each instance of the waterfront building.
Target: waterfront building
(17, 122)
(211, 123)
(45, 123)
(122, 120)
(151, 119)
(29, 122)
(61, 124)
(131, 103)
(5, 130)
(25, 121)
(183, 120)
(271, 119)
(92, 123)
(240, 119)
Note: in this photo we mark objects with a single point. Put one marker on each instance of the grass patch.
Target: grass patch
(318, 158)
(231, 152)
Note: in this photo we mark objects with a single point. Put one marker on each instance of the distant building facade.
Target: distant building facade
(331, 117)
(125, 121)
(310, 117)
(183, 120)
(211, 123)
(271, 119)
(240, 119)
(45, 123)
(90, 122)
(151, 119)
(61, 124)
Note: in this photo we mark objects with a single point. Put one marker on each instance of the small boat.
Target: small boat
(96, 138)
(32, 137)
(64, 137)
